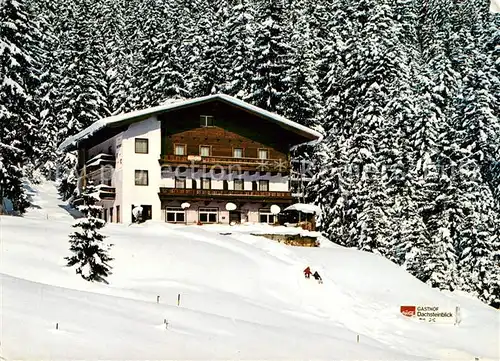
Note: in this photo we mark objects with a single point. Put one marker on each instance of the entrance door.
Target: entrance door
(234, 216)
(146, 212)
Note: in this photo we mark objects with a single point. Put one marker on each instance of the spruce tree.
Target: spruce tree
(301, 98)
(82, 96)
(90, 252)
(477, 131)
(271, 56)
(115, 45)
(67, 176)
(240, 32)
(440, 263)
(207, 62)
(362, 82)
(18, 80)
(160, 70)
(48, 93)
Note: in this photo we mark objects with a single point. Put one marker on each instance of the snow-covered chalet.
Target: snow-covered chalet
(214, 159)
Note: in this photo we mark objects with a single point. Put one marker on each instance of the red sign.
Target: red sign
(409, 311)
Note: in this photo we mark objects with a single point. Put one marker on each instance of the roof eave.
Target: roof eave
(119, 120)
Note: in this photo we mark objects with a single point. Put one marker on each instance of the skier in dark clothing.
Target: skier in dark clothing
(317, 277)
(307, 272)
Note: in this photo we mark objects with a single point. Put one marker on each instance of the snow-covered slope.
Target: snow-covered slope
(242, 297)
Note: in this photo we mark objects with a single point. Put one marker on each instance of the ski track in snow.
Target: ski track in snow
(242, 297)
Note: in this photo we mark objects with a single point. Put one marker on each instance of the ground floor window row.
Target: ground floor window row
(212, 215)
(112, 214)
(178, 215)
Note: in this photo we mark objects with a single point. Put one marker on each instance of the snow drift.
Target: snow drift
(241, 297)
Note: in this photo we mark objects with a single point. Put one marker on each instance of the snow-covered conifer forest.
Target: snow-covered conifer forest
(406, 93)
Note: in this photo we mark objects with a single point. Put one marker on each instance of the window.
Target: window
(141, 177)
(205, 150)
(111, 215)
(208, 215)
(206, 121)
(265, 216)
(205, 183)
(180, 183)
(117, 214)
(141, 146)
(263, 154)
(264, 185)
(180, 149)
(105, 215)
(238, 185)
(175, 215)
(238, 152)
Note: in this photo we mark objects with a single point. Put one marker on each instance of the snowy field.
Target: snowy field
(242, 297)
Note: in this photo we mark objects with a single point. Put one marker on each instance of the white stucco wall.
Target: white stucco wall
(141, 195)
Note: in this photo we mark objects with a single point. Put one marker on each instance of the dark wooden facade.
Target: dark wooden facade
(233, 128)
(219, 194)
(228, 164)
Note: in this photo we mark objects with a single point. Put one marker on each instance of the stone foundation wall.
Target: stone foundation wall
(292, 239)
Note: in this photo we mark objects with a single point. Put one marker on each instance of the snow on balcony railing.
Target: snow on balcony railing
(101, 159)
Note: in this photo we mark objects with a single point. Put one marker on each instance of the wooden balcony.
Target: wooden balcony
(227, 163)
(105, 193)
(220, 194)
(100, 161)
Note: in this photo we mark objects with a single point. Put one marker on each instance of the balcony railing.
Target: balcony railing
(101, 160)
(269, 165)
(225, 194)
(105, 193)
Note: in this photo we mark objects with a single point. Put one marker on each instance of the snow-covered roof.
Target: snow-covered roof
(71, 142)
(304, 208)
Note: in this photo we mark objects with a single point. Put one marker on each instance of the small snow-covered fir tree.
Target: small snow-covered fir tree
(90, 256)
(67, 176)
